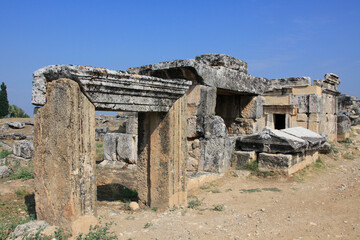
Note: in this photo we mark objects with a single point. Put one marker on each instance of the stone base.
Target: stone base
(240, 159)
(286, 163)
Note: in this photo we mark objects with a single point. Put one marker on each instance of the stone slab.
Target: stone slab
(64, 156)
(113, 90)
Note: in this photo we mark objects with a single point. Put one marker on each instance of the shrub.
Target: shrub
(98, 232)
(23, 173)
(194, 203)
(16, 112)
(219, 207)
(4, 153)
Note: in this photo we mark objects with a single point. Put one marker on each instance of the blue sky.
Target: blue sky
(276, 38)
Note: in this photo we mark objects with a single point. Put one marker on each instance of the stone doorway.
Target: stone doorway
(64, 137)
(279, 121)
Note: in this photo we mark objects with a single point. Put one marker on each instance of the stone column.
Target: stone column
(64, 158)
(162, 157)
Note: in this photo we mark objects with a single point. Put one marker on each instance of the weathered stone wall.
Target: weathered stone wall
(162, 157)
(64, 156)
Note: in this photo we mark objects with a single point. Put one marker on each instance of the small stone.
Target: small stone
(5, 171)
(16, 125)
(134, 206)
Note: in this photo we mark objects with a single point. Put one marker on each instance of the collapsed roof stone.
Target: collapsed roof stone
(216, 70)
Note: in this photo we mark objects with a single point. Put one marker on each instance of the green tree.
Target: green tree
(16, 112)
(4, 103)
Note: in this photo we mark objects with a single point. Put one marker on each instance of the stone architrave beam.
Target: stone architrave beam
(113, 90)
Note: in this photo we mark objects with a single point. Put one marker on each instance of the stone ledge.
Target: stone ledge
(113, 90)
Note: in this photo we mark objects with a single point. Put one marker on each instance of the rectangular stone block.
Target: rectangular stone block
(201, 100)
(110, 143)
(315, 117)
(277, 100)
(314, 104)
(215, 154)
(132, 124)
(272, 162)
(314, 126)
(301, 124)
(242, 158)
(126, 148)
(64, 156)
(162, 157)
(301, 117)
(302, 102)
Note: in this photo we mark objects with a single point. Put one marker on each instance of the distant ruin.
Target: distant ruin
(190, 118)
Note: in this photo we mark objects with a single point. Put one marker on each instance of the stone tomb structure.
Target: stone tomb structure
(294, 102)
(64, 138)
(223, 101)
(287, 150)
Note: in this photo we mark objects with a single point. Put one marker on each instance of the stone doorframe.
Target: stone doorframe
(64, 138)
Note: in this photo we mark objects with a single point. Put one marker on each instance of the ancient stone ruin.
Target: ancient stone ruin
(185, 119)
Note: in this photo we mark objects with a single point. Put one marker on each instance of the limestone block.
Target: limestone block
(132, 124)
(301, 117)
(64, 155)
(215, 155)
(328, 104)
(270, 161)
(162, 157)
(253, 108)
(302, 102)
(214, 127)
(314, 104)
(301, 124)
(192, 127)
(343, 124)
(5, 171)
(328, 125)
(113, 90)
(315, 117)
(277, 100)
(110, 146)
(314, 126)
(288, 83)
(16, 125)
(201, 100)
(126, 147)
(307, 90)
(223, 61)
(242, 158)
(24, 149)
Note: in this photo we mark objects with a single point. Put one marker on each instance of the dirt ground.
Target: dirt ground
(320, 202)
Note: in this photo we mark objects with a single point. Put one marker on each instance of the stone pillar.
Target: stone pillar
(64, 157)
(162, 157)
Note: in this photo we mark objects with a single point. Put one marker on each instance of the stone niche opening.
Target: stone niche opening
(279, 121)
(237, 111)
